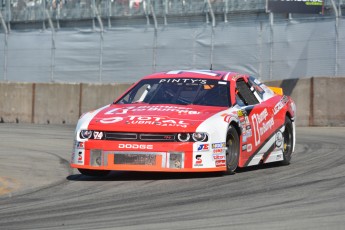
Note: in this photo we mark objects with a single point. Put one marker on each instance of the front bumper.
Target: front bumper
(148, 156)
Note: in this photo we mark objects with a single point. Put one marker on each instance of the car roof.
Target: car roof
(205, 74)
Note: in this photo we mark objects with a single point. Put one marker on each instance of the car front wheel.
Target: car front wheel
(288, 142)
(232, 152)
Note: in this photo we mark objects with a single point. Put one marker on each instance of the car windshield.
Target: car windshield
(181, 91)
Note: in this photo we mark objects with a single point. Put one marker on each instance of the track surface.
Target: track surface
(38, 190)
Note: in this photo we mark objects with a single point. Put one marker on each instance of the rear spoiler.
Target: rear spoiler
(277, 90)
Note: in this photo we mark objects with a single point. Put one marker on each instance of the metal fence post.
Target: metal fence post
(271, 18)
(109, 13)
(9, 14)
(3, 23)
(155, 38)
(212, 34)
(226, 10)
(336, 37)
(43, 7)
(95, 12)
(52, 66)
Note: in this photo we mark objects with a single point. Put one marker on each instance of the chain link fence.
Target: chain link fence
(123, 40)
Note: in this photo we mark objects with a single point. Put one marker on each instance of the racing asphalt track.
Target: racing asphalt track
(38, 190)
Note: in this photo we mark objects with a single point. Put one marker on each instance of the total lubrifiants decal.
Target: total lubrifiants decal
(147, 120)
(178, 109)
(261, 126)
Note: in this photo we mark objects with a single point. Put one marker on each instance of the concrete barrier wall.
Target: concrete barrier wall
(97, 95)
(328, 102)
(16, 102)
(56, 103)
(299, 90)
(320, 101)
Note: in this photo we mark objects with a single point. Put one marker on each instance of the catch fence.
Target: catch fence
(121, 41)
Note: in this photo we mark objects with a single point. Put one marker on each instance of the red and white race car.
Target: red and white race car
(187, 121)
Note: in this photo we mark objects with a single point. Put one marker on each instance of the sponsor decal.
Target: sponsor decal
(79, 145)
(247, 120)
(218, 150)
(156, 120)
(242, 120)
(280, 105)
(184, 80)
(220, 163)
(135, 146)
(244, 138)
(262, 116)
(218, 145)
(157, 108)
(296, 6)
(249, 147)
(78, 157)
(97, 135)
(227, 118)
(244, 147)
(203, 147)
(218, 157)
(110, 120)
(256, 81)
(198, 160)
(261, 126)
(240, 113)
(234, 78)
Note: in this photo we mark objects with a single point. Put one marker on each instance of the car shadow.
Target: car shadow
(260, 167)
(137, 176)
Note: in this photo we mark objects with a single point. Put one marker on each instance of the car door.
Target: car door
(256, 122)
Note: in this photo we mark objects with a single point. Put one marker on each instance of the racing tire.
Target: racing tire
(94, 173)
(233, 150)
(288, 142)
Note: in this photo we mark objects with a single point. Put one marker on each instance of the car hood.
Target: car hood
(151, 118)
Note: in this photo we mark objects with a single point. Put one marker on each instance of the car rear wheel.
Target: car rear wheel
(232, 152)
(95, 173)
(288, 142)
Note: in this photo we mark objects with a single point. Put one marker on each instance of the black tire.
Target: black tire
(233, 150)
(288, 142)
(95, 173)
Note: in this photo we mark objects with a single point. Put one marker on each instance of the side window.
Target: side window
(244, 96)
(137, 95)
(256, 85)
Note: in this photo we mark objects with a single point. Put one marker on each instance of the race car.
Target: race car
(187, 121)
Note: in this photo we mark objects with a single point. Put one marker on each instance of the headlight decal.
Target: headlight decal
(85, 134)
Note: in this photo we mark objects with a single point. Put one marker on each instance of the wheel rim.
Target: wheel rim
(232, 154)
(287, 141)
